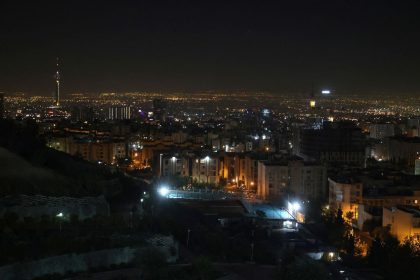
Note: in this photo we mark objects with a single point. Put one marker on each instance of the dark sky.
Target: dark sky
(348, 45)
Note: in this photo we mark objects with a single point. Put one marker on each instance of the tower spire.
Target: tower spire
(57, 81)
(312, 102)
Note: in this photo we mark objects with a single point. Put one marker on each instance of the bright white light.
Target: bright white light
(141, 200)
(266, 112)
(163, 191)
(173, 158)
(294, 207)
(326, 91)
(207, 158)
(264, 137)
(60, 214)
(287, 224)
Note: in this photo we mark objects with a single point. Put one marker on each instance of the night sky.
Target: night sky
(361, 46)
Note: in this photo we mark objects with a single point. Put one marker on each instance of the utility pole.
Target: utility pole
(188, 237)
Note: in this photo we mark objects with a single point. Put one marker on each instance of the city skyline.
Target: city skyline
(207, 140)
(350, 47)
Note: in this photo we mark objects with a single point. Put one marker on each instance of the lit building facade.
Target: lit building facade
(381, 130)
(292, 176)
(345, 194)
(404, 221)
(206, 170)
(119, 113)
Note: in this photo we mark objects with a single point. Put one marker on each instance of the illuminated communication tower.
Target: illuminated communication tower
(57, 90)
(312, 102)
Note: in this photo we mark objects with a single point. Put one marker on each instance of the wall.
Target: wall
(82, 262)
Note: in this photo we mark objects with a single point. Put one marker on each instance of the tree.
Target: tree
(153, 264)
(370, 225)
(349, 216)
(339, 217)
(306, 269)
(349, 245)
(202, 267)
(337, 228)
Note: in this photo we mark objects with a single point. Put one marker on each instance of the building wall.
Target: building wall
(2, 113)
(175, 166)
(104, 151)
(273, 180)
(251, 172)
(345, 196)
(308, 181)
(333, 143)
(404, 150)
(304, 181)
(402, 224)
(381, 131)
(206, 171)
(390, 201)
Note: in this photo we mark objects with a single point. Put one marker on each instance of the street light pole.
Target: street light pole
(60, 219)
(160, 165)
(173, 166)
(207, 159)
(188, 237)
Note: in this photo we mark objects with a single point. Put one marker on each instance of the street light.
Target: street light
(293, 208)
(60, 218)
(173, 165)
(163, 191)
(207, 159)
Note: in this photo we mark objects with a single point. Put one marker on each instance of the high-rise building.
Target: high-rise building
(404, 150)
(292, 176)
(417, 167)
(381, 130)
(413, 127)
(119, 113)
(1, 106)
(82, 113)
(159, 109)
(333, 143)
